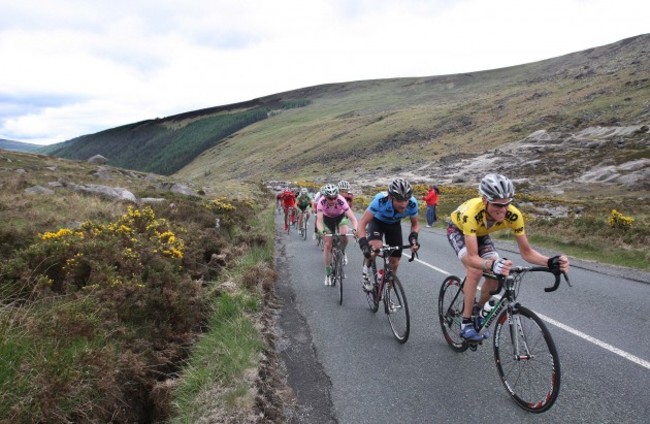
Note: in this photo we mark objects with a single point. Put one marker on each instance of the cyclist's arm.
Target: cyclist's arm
(532, 256)
(353, 219)
(473, 260)
(363, 222)
(415, 228)
(319, 221)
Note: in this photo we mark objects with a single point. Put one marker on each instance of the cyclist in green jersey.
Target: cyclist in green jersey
(303, 201)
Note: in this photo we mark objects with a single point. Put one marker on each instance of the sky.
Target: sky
(75, 67)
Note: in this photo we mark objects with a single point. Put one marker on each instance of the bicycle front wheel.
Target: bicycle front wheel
(338, 274)
(450, 312)
(304, 228)
(526, 359)
(373, 296)
(397, 309)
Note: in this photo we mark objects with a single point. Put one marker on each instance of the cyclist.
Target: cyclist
(330, 211)
(288, 200)
(468, 233)
(314, 205)
(344, 190)
(383, 218)
(303, 201)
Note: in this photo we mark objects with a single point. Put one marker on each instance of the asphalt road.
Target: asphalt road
(345, 366)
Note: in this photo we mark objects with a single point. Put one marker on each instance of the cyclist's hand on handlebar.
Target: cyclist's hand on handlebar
(365, 247)
(558, 264)
(501, 267)
(413, 241)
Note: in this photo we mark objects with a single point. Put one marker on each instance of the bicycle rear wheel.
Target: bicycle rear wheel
(373, 296)
(337, 279)
(397, 309)
(527, 360)
(450, 312)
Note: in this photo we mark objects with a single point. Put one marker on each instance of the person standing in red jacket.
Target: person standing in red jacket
(431, 199)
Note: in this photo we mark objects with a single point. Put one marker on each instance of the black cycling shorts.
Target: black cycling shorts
(456, 238)
(332, 223)
(376, 230)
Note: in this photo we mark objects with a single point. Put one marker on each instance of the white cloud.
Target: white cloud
(72, 67)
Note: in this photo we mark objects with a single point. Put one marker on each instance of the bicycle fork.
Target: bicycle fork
(518, 337)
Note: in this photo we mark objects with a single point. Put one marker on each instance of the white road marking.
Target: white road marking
(597, 342)
(587, 337)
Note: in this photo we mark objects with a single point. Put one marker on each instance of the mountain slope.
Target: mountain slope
(18, 146)
(359, 129)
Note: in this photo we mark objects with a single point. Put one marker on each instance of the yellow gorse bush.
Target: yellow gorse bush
(618, 220)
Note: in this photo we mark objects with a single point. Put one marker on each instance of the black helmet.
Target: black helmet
(400, 189)
(496, 186)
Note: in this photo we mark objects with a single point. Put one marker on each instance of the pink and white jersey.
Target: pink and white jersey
(339, 208)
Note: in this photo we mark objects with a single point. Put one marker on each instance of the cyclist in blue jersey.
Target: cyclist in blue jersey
(383, 219)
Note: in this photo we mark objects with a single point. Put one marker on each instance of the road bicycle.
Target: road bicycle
(302, 230)
(387, 287)
(337, 261)
(524, 352)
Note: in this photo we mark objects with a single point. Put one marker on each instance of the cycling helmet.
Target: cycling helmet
(330, 191)
(303, 190)
(496, 186)
(400, 189)
(344, 185)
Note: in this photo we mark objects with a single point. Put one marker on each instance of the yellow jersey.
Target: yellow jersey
(471, 218)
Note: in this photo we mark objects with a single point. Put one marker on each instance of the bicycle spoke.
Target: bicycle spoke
(450, 312)
(373, 296)
(527, 360)
(397, 309)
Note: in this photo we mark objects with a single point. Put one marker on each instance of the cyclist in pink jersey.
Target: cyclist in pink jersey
(331, 208)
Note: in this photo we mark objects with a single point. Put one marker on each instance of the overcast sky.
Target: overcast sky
(75, 67)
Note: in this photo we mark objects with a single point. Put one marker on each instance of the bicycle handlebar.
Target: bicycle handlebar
(385, 249)
(521, 269)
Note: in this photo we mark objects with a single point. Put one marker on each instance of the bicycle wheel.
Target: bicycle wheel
(339, 275)
(373, 296)
(303, 229)
(397, 309)
(527, 360)
(450, 312)
(337, 272)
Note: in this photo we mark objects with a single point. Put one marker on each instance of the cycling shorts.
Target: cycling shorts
(332, 223)
(376, 230)
(456, 238)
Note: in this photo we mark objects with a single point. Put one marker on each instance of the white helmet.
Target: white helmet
(344, 185)
(330, 191)
(496, 186)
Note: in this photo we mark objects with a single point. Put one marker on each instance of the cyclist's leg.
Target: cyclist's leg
(329, 226)
(393, 235)
(300, 217)
(487, 250)
(286, 213)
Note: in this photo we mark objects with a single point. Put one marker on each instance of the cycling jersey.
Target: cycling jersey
(471, 218)
(288, 199)
(382, 209)
(304, 201)
(338, 209)
(348, 197)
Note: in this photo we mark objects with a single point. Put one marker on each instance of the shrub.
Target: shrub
(618, 220)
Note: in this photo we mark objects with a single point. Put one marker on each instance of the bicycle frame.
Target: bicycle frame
(525, 355)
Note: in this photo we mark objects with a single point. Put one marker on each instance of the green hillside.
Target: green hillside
(390, 125)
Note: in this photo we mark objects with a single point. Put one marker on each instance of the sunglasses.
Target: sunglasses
(501, 205)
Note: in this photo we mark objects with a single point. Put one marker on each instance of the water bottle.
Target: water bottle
(489, 305)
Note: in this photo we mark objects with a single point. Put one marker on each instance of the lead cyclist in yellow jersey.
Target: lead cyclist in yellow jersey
(468, 233)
